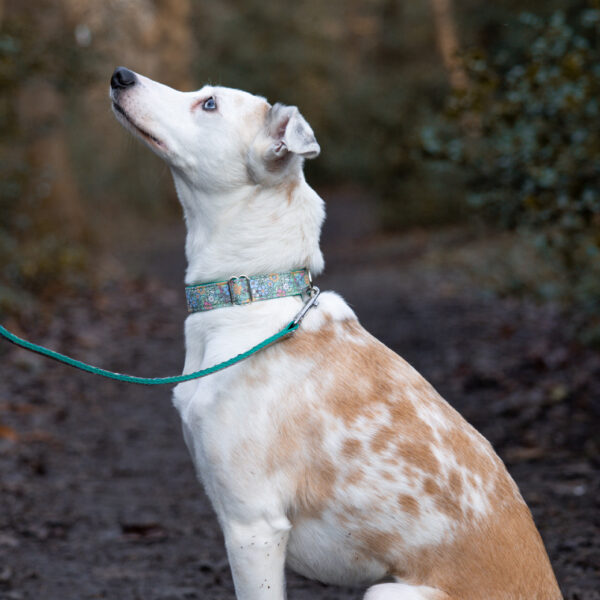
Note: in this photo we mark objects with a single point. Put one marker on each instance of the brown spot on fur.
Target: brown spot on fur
(315, 488)
(387, 476)
(410, 472)
(290, 188)
(293, 436)
(352, 511)
(419, 455)
(455, 484)
(406, 413)
(472, 480)
(378, 543)
(431, 488)
(444, 497)
(469, 514)
(409, 505)
(352, 326)
(463, 444)
(382, 438)
(449, 505)
(343, 519)
(355, 477)
(351, 448)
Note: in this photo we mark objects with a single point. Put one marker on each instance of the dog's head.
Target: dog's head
(218, 137)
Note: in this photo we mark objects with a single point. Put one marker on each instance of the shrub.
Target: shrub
(526, 130)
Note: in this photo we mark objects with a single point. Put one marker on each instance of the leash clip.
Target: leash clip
(313, 294)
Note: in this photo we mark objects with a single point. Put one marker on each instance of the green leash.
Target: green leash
(72, 362)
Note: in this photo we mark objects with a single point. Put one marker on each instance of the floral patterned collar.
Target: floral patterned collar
(243, 289)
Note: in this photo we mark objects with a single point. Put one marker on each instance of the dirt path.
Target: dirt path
(98, 498)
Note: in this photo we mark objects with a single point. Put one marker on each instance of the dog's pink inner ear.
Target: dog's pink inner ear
(291, 133)
(281, 128)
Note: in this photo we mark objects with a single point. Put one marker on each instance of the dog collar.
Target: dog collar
(244, 290)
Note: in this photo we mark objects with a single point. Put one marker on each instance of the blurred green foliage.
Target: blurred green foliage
(339, 62)
(366, 75)
(37, 254)
(526, 132)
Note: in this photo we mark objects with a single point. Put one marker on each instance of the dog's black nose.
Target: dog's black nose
(122, 78)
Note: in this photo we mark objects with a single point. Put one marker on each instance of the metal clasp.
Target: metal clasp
(231, 294)
(313, 294)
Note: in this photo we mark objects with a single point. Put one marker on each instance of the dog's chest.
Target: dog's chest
(211, 430)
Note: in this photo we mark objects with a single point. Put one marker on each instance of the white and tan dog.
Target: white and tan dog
(326, 451)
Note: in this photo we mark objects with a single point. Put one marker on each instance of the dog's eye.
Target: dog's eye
(209, 104)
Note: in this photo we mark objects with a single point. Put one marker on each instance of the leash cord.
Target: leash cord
(77, 364)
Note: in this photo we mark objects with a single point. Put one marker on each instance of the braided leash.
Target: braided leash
(77, 364)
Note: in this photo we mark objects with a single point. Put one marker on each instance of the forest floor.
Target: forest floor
(98, 498)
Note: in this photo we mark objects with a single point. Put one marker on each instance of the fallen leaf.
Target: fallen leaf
(8, 433)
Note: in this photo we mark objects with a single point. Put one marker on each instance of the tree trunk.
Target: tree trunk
(447, 39)
(41, 112)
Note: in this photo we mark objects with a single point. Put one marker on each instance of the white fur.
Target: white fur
(394, 591)
(248, 211)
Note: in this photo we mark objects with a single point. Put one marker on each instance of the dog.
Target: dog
(325, 451)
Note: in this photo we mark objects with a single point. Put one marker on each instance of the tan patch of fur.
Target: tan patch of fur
(252, 378)
(378, 543)
(431, 488)
(382, 438)
(387, 476)
(444, 498)
(297, 450)
(463, 445)
(410, 472)
(455, 484)
(315, 487)
(502, 557)
(388, 378)
(261, 112)
(409, 505)
(255, 120)
(419, 455)
(352, 511)
(355, 476)
(294, 436)
(405, 412)
(351, 448)
(290, 187)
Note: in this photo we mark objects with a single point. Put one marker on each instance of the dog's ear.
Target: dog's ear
(282, 142)
(289, 132)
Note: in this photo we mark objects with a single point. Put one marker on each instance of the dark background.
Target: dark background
(460, 165)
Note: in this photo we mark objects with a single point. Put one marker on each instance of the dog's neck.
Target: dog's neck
(251, 230)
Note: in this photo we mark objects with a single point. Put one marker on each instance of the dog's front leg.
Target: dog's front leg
(257, 557)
